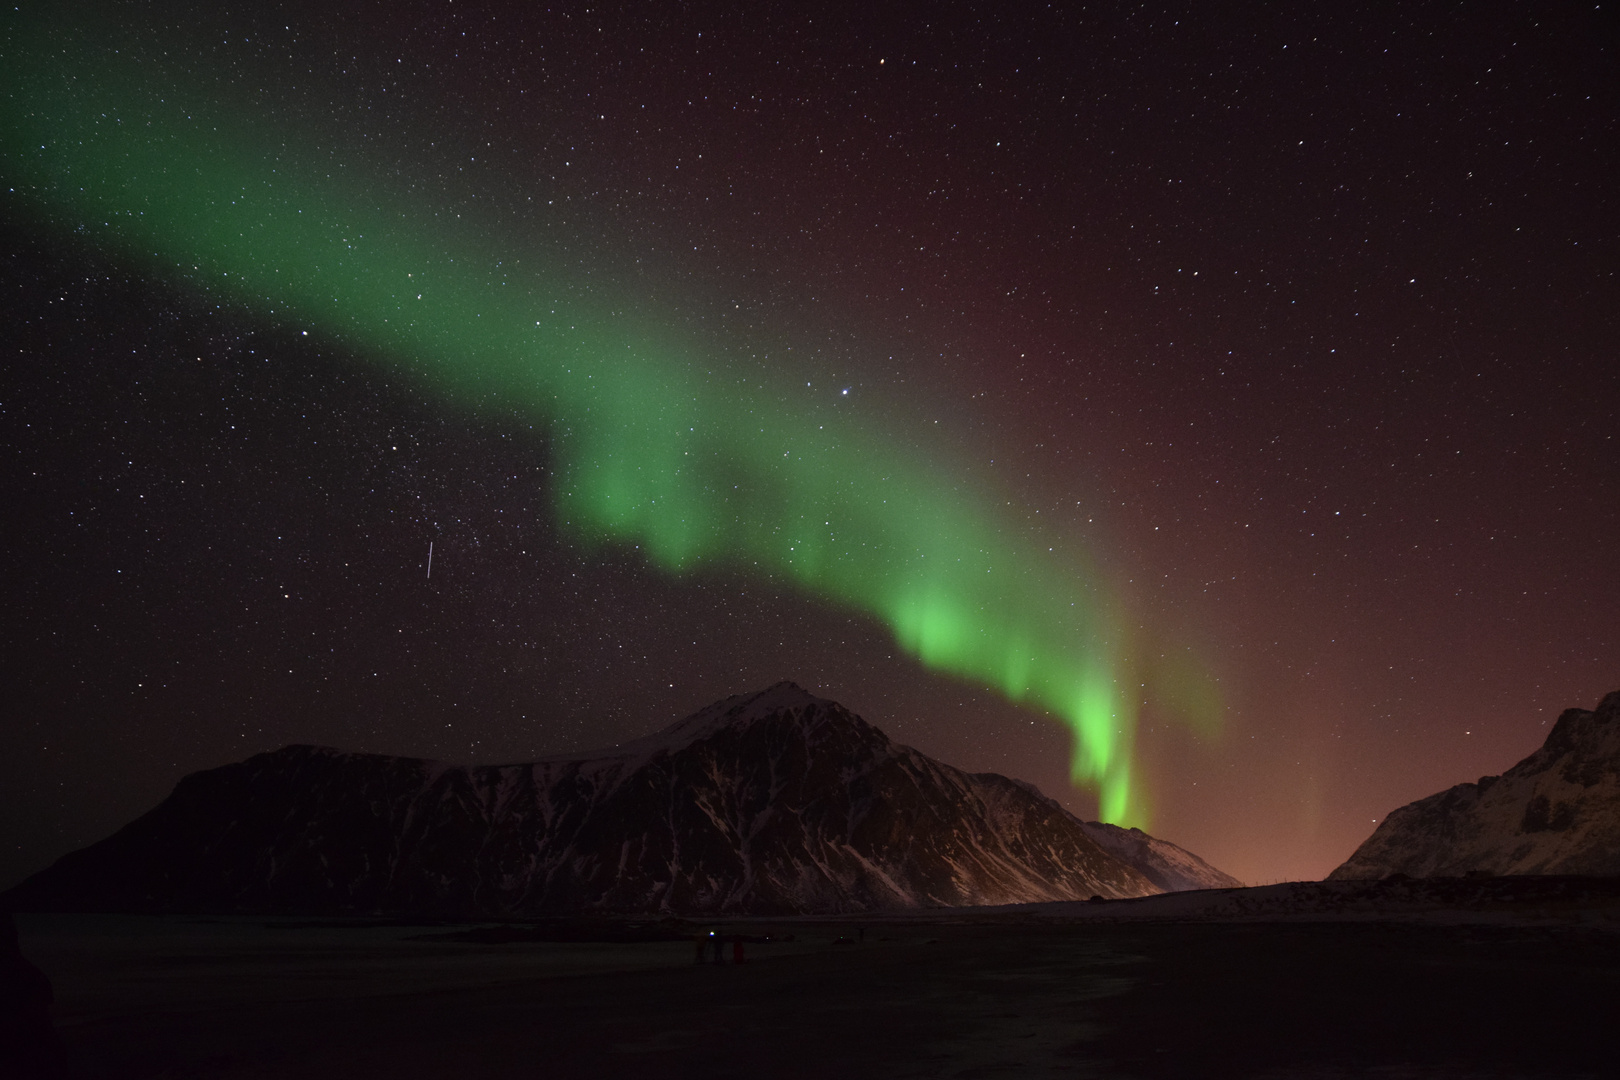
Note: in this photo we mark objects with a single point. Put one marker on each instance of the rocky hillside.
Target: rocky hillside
(1170, 868)
(1555, 812)
(775, 802)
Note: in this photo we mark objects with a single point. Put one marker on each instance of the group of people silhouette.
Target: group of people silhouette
(715, 942)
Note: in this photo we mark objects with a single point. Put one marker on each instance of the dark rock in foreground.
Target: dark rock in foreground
(776, 802)
(1555, 812)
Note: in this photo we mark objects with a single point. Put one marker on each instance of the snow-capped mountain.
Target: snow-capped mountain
(1555, 812)
(775, 802)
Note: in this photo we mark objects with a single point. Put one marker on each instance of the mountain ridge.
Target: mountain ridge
(775, 802)
(1555, 812)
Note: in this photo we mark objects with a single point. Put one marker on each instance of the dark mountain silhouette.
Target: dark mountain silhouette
(1555, 812)
(775, 802)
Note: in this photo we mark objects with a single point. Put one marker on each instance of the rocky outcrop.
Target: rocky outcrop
(776, 802)
(1555, 812)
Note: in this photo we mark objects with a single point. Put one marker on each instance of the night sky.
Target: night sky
(1253, 370)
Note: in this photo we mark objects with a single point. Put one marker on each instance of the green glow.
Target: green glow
(694, 468)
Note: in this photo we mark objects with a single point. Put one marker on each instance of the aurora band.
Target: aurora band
(650, 452)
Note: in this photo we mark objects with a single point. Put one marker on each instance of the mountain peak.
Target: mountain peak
(737, 711)
(773, 699)
(1555, 812)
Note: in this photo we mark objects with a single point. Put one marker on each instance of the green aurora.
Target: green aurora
(654, 447)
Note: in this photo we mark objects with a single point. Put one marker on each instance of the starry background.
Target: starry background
(1303, 322)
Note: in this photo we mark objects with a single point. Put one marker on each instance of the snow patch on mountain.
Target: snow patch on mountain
(1171, 868)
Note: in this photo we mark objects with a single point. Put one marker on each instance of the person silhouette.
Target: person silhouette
(28, 1043)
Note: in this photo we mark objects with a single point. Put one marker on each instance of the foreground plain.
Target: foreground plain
(1108, 991)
